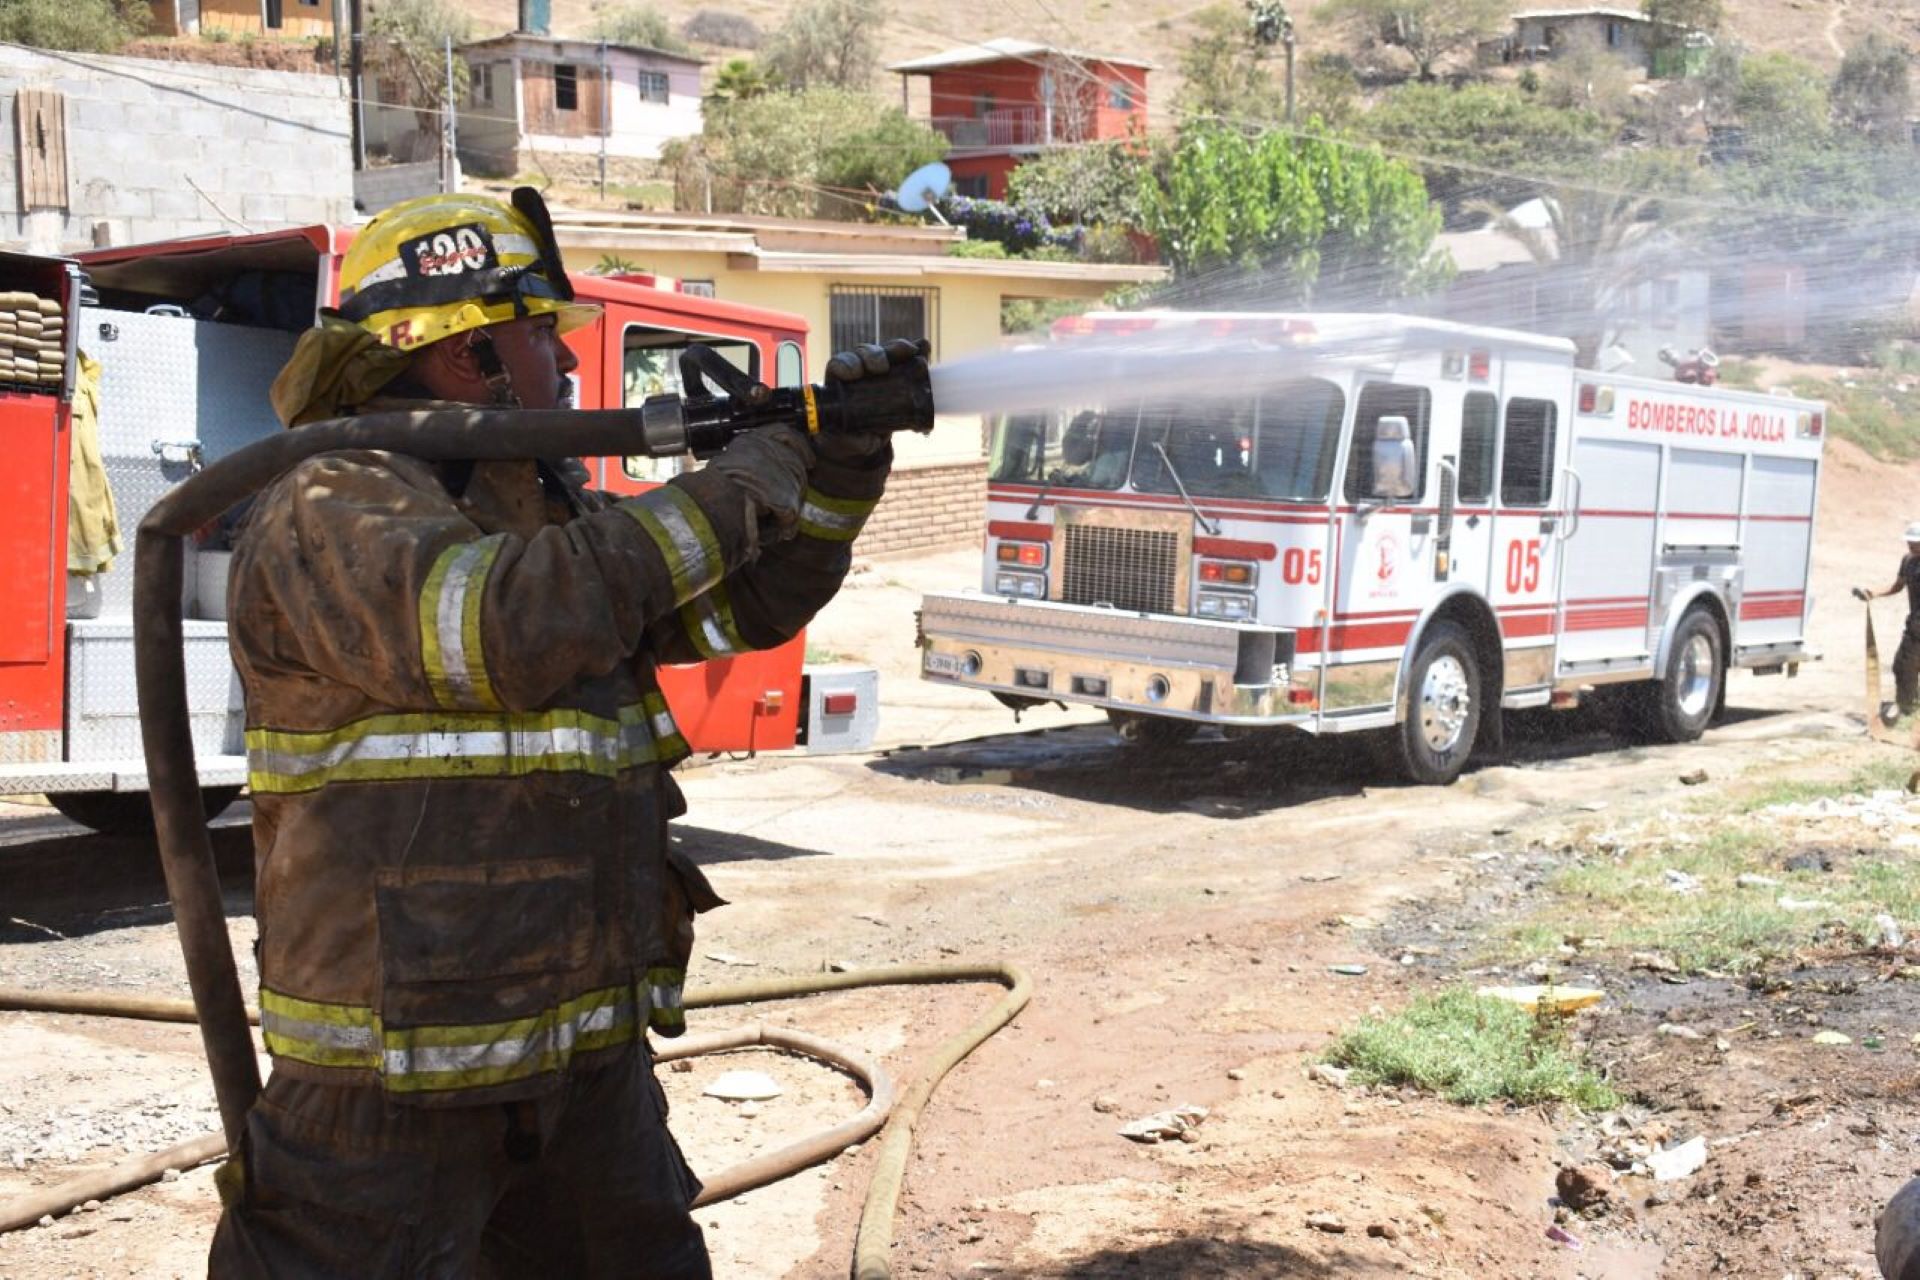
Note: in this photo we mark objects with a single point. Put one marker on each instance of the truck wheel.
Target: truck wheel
(1155, 733)
(128, 813)
(1679, 707)
(1443, 708)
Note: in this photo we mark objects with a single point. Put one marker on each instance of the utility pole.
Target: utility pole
(449, 135)
(606, 115)
(357, 81)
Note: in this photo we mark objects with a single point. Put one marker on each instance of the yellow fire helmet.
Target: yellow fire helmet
(435, 266)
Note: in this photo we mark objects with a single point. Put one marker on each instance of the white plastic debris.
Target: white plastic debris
(743, 1086)
(1669, 1164)
(1164, 1125)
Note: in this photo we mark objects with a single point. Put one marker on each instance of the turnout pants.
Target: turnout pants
(341, 1182)
(1906, 667)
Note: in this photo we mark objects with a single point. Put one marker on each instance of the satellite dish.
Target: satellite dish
(924, 186)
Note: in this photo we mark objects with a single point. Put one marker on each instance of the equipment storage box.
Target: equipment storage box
(104, 709)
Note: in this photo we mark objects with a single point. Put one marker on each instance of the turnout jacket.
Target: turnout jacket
(458, 754)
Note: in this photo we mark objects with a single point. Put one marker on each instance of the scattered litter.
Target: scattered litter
(1790, 903)
(1890, 935)
(870, 918)
(1236, 1073)
(1320, 877)
(1668, 1164)
(1681, 882)
(1832, 1037)
(743, 1086)
(1327, 1073)
(737, 962)
(1561, 1000)
(1652, 962)
(1162, 1125)
(1693, 779)
(1560, 1235)
(1359, 922)
(1327, 1222)
(1678, 1032)
(1348, 970)
(1752, 881)
(1592, 806)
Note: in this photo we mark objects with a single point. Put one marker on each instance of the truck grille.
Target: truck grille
(1132, 569)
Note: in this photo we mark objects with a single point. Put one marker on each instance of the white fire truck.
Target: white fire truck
(1414, 524)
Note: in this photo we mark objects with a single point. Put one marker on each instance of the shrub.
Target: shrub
(722, 27)
(88, 26)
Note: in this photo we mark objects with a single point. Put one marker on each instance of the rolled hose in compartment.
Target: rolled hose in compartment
(872, 1245)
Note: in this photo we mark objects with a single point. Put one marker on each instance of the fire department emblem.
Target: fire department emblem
(1389, 553)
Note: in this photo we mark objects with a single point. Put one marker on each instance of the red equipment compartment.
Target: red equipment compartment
(36, 428)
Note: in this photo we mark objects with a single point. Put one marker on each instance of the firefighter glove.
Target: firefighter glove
(1861, 593)
(770, 467)
(869, 359)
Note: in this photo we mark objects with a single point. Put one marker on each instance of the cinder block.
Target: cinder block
(262, 210)
(179, 203)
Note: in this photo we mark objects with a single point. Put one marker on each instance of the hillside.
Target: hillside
(1818, 30)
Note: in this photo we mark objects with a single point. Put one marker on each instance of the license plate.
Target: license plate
(940, 664)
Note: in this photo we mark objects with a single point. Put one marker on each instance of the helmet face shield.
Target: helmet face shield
(430, 268)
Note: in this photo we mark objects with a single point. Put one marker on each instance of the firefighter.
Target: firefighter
(1906, 659)
(469, 912)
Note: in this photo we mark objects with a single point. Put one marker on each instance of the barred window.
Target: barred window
(566, 87)
(879, 314)
(653, 87)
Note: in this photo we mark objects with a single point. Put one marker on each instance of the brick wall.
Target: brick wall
(928, 507)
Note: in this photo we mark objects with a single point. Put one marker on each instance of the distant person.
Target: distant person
(1906, 659)
(1086, 464)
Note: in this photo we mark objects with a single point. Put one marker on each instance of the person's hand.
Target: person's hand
(869, 359)
(770, 467)
(1861, 593)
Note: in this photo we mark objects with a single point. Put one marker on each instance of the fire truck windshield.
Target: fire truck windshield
(1279, 445)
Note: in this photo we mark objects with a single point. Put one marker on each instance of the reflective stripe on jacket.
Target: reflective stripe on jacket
(458, 752)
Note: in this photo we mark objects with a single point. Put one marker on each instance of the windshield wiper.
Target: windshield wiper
(1046, 487)
(1212, 529)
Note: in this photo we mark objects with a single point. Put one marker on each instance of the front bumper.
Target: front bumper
(1187, 668)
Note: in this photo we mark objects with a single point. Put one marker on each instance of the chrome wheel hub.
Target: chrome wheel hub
(1445, 700)
(1693, 678)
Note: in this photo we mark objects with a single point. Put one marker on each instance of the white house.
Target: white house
(1547, 33)
(544, 103)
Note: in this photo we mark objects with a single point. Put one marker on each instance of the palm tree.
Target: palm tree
(1594, 247)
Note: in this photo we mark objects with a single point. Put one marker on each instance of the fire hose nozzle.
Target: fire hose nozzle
(702, 423)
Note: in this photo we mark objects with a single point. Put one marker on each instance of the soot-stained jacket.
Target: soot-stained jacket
(459, 753)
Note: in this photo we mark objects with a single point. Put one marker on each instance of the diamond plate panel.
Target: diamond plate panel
(103, 713)
(138, 483)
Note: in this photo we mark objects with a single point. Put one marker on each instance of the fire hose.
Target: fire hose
(699, 423)
(872, 1244)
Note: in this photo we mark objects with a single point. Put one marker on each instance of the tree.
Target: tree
(1467, 140)
(1871, 93)
(738, 79)
(637, 24)
(804, 154)
(83, 26)
(408, 42)
(1779, 98)
(1223, 71)
(1583, 251)
(1426, 30)
(1293, 219)
(826, 42)
(1586, 75)
(1097, 184)
(722, 27)
(1674, 20)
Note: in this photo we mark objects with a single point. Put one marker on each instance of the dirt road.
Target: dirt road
(1181, 921)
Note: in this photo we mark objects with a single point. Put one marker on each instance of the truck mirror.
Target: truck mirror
(1395, 464)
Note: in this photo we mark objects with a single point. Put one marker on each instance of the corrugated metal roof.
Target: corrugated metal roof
(1003, 48)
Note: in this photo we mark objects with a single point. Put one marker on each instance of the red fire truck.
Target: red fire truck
(1409, 526)
(189, 335)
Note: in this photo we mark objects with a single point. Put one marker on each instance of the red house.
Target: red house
(1001, 101)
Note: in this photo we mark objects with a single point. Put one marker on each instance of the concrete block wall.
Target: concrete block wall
(375, 189)
(163, 149)
(928, 507)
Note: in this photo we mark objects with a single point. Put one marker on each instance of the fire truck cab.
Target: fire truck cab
(189, 336)
(1405, 527)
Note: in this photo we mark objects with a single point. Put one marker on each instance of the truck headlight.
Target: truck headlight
(1029, 586)
(1227, 606)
